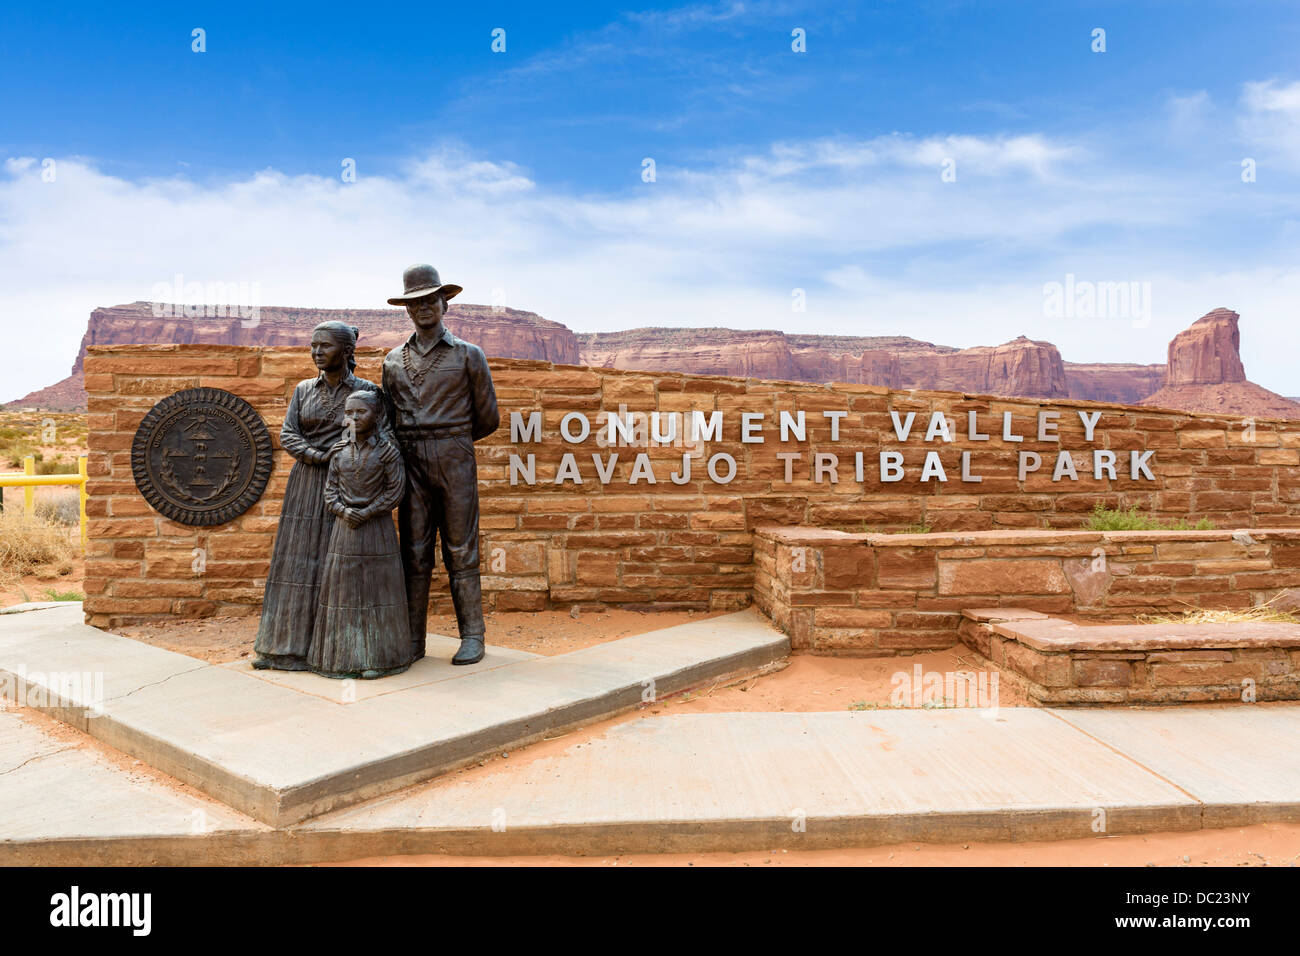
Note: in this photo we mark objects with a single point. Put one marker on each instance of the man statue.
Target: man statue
(440, 396)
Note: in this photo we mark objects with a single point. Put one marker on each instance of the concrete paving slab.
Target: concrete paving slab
(34, 606)
(64, 803)
(1241, 761)
(281, 755)
(730, 781)
(694, 783)
(435, 666)
(51, 660)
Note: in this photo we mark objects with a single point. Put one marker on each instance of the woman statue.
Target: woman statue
(312, 434)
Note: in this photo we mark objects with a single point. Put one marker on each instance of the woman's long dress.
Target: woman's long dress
(361, 622)
(313, 423)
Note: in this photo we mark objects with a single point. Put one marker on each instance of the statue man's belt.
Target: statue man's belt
(417, 432)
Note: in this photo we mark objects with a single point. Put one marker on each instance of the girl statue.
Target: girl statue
(361, 625)
(313, 435)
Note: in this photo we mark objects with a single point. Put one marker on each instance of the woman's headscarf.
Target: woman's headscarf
(345, 335)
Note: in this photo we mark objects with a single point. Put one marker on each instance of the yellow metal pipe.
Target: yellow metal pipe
(29, 496)
(29, 481)
(39, 481)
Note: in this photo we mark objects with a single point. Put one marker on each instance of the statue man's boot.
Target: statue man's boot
(417, 612)
(467, 597)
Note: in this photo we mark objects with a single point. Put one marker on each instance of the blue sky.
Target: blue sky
(520, 173)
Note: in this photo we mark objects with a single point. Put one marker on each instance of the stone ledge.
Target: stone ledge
(1059, 663)
(785, 534)
(1053, 634)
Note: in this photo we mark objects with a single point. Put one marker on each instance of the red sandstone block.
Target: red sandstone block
(1050, 670)
(1102, 673)
(597, 568)
(883, 599)
(135, 605)
(155, 588)
(614, 501)
(1286, 556)
(128, 549)
(1258, 581)
(928, 620)
(725, 555)
(163, 364)
(122, 527)
(905, 568)
(520, 601)
(1010, 576)
(848, 567)
(122, 507)
(821, 598)
(915, 640)
(775, 510)
(657, 520)
(544, 522)
(1200, 673)
(851, 617)
(718, 521)
(618, 539)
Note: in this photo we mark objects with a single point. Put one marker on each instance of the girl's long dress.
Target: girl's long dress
(312, 424)
(361, 621)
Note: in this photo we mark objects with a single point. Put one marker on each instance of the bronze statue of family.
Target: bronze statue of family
(346, 596)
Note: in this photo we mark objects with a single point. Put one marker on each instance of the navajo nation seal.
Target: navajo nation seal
(202, 456)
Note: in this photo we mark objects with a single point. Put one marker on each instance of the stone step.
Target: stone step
(1059, 662)
(282, 748)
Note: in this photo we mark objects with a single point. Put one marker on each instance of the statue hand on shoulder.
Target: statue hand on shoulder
(335, 448)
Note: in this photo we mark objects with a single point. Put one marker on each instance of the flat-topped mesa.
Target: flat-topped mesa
(500, 332)
(742, 354)
(1208, 352)
(1021, 367)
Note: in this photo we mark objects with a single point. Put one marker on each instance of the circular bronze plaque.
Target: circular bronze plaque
(202, 456)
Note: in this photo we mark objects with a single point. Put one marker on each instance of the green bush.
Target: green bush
(56, 468)
(1117, 519)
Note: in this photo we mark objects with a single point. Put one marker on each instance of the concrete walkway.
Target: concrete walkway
(704, 782)
(292, 748)
(282, 748)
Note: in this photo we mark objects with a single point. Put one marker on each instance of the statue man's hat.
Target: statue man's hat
(422, 280)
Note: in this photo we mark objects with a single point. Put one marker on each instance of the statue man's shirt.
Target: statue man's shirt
(454, 392)
(441, 400)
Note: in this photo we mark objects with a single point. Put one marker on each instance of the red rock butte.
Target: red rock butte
(1204, 372)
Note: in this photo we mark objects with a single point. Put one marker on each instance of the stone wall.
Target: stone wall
(882, 594)
(653, 545)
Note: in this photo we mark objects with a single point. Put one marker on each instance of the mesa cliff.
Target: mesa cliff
(1204, 371)
(498, 331)
(1206, 374)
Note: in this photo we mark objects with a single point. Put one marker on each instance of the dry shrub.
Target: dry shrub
(30, 544)
(1196, 615)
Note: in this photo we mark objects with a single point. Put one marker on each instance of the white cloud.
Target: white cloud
(1271, 118)
(881, 244)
